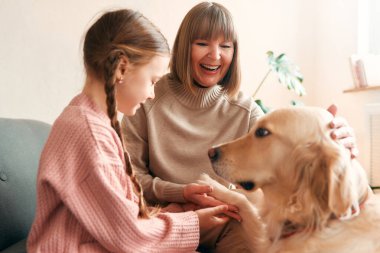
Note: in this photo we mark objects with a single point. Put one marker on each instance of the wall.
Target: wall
(336, 39)
(41, 66)
(40, 53)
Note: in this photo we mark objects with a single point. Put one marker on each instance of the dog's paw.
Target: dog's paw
(205, 179)
(221, 192)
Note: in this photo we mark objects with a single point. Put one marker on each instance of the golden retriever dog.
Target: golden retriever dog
(316, 198)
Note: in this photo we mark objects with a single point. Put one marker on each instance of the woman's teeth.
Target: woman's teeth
(209, 67)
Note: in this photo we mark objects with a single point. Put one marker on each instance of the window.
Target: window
(365, 64)
(369, 27)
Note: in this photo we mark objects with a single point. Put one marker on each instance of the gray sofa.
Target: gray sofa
(21, 142)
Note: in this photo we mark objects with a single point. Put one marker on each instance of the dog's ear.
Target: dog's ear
(310, 177)
(342, 193)
(322, 179)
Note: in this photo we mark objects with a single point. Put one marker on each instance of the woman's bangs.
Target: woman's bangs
(213, 24)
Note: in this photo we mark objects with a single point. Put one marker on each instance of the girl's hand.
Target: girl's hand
(211, 217)
(198, 194)
(342, 132)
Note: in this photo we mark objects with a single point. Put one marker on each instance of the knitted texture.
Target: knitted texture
(86, 200)
(169, 136)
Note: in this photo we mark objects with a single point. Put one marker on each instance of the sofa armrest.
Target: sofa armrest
(21, 142)
(19, 247)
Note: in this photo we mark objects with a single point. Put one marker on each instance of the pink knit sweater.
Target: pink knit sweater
(85, 199)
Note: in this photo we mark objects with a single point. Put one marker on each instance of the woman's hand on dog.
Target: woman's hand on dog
(342, 132)
(198, 195)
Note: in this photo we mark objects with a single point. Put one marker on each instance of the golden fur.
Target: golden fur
(316, 198)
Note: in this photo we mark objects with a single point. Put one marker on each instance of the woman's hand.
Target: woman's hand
(198, 194)
(342, 132)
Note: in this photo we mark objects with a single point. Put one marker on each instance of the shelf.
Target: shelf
(372, 87)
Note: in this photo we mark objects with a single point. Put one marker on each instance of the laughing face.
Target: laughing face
(210, 60)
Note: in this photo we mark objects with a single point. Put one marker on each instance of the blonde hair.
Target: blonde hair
(114, 35)
(206, 20)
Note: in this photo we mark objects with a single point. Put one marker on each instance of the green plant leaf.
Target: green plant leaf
(288, 73)
(263, 107)
(296, 103)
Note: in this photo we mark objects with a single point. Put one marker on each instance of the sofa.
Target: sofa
(21, 142)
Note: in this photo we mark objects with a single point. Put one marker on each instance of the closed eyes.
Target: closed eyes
(226, 46)
(204, 44)
(201, 44)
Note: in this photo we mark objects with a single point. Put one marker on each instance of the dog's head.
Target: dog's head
(290, 155)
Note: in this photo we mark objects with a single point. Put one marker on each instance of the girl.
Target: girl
(88, 198)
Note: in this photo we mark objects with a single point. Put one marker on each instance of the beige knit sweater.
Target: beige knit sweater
(169, 136)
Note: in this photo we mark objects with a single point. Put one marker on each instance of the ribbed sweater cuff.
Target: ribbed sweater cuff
(174, 193)
(187, 226)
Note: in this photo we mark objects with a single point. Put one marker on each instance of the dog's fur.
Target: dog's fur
(316, 198)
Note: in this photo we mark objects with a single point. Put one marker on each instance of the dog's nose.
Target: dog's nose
(214, 154)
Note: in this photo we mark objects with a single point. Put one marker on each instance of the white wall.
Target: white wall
(41, 60)
(41, 66)
(336, 38)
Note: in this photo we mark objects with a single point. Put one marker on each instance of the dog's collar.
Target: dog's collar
(289, 229)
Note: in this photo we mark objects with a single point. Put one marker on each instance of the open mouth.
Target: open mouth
(247, 185)
(210, 67)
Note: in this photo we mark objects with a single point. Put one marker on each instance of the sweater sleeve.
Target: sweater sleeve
(102, 202)
(112, 219)
(135, 136)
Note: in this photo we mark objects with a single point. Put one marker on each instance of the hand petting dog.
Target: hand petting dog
(342, 132)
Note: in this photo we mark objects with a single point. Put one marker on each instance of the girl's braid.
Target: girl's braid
(110, 67)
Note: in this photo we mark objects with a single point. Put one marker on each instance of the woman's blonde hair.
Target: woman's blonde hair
(117, 34)
(206, 20)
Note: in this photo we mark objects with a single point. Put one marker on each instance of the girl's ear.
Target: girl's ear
(121, 68)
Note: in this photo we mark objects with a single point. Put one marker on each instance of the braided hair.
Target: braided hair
(117, 34)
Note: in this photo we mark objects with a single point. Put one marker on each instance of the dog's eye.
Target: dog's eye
(261, 132)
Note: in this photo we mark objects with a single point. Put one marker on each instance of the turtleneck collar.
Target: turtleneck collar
(199, 98)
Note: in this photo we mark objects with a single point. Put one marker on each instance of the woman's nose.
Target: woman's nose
(214, 53)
